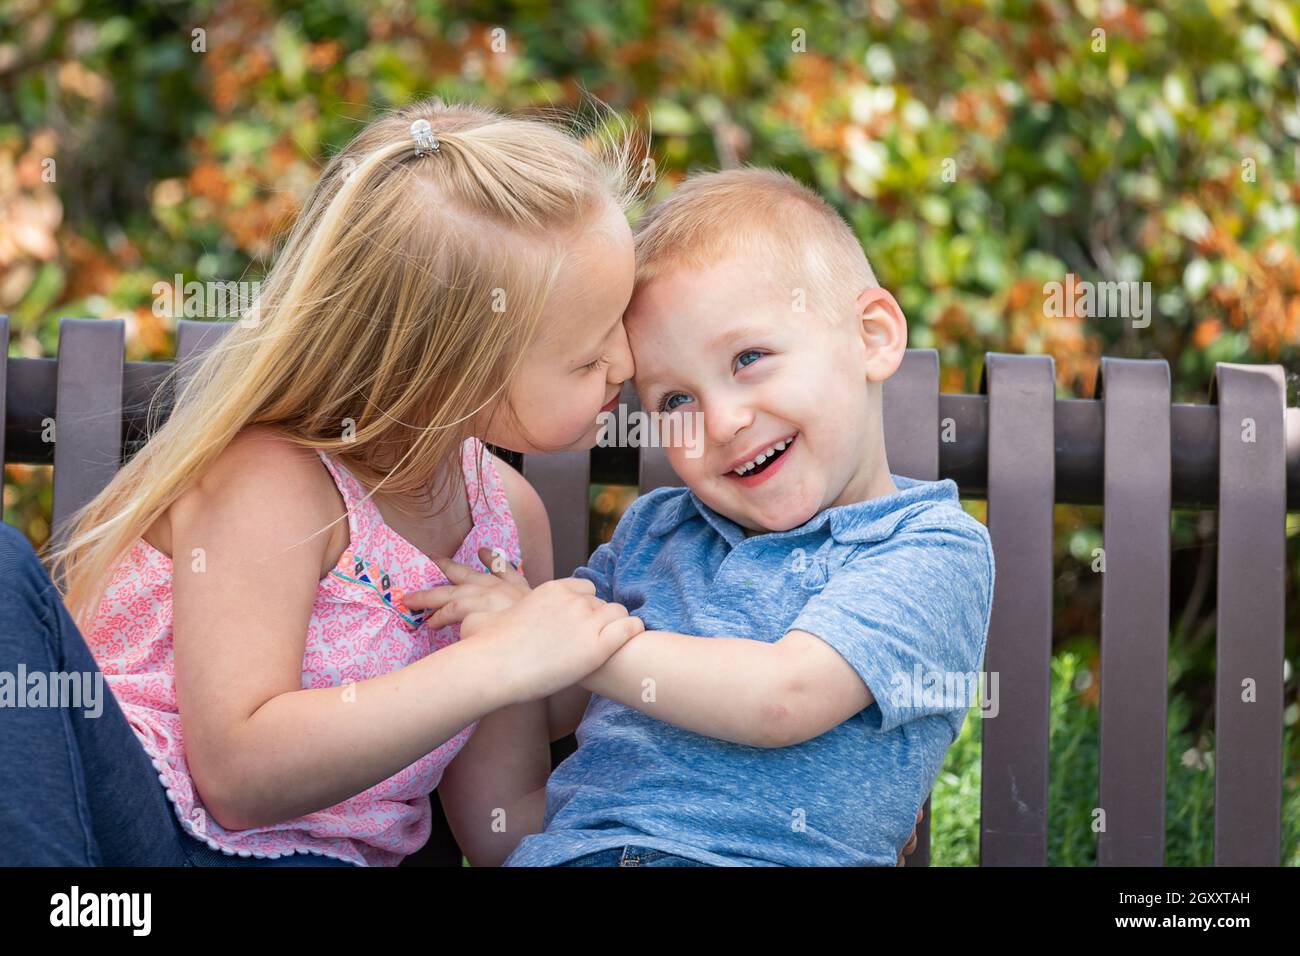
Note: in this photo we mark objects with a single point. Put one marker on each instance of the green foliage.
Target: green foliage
(979, 149)
(1073, 782)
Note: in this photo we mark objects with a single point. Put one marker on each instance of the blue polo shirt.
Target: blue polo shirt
(901, 586)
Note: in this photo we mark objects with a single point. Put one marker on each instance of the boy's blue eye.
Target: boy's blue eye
(664, 402)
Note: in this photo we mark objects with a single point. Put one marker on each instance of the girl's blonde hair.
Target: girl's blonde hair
(400, 306)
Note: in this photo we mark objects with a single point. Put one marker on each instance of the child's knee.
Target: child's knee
(21, 573)
(14, 545)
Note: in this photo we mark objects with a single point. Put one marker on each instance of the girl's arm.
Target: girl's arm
(564, 711)
(494, 791)
(261, 748)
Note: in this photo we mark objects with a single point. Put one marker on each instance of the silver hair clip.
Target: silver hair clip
(425, 141)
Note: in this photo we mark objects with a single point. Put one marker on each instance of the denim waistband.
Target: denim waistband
(632, 855)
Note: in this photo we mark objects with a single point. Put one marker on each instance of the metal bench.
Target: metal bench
(1014, 444)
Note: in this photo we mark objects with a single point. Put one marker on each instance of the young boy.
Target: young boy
(795, 594)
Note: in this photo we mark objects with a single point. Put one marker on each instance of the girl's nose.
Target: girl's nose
(623, 366)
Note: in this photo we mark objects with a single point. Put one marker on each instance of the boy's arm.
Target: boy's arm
(916, 604)
(744, 691)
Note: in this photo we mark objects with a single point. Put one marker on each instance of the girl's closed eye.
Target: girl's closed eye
(600, 363)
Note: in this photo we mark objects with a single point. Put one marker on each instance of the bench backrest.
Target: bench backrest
(1016, 445)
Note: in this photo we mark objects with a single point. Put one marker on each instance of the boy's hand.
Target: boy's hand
(470, 590)
(911, 844)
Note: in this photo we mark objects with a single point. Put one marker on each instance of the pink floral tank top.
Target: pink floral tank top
(359, 629)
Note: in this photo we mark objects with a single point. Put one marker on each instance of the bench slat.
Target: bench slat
(88, 413)
(1134, 621)
(562, 480)
(911, 416)
(1251, 610)
(193, 339)
(911, 421)
(1021, 481)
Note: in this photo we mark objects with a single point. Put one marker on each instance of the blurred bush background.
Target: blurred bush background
(980, 149)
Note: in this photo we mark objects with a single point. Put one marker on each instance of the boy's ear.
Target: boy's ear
(883, 327)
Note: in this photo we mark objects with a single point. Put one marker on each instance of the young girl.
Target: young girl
(456, 277)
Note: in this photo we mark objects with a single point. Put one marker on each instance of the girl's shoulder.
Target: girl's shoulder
(270, 448)
(530, 519)
(262, 469)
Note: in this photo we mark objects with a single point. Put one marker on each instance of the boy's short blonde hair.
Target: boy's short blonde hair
(763, 215)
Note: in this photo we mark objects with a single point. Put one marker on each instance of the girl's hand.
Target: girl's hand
(552, 637)
(470, 590)
(911, 844)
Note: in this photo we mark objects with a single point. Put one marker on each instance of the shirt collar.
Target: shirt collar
(857, 523)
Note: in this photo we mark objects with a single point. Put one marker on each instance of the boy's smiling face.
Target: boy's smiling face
(725, 342)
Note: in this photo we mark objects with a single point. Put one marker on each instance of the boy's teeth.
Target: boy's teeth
(767, 453)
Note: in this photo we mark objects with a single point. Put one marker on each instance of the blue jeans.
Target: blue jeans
(76, 786)
(631, 855)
